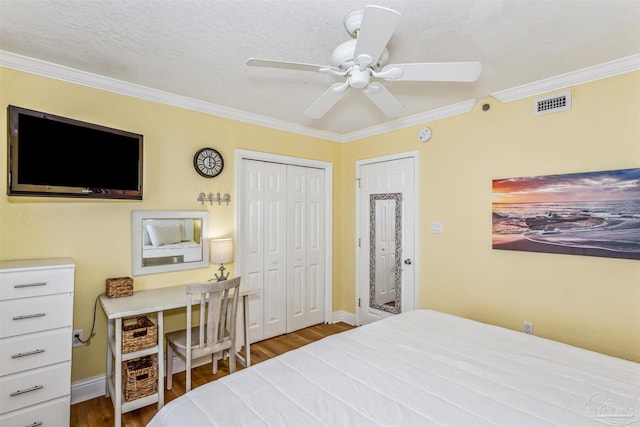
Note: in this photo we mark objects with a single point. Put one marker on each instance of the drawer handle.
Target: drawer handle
(27, 390)
(29, 316)
(28, 353)
(35, 424)
(30, 285)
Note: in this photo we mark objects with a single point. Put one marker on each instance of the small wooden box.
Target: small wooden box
(119, 287)
(139, 378)
(139, 335)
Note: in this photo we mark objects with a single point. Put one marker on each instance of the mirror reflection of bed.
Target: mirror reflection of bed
(171, 241)
(165, 241)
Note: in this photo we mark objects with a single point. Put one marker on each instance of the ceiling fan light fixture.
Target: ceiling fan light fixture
(359, 79)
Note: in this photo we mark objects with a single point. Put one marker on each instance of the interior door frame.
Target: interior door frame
(413, 155)
(241, 155)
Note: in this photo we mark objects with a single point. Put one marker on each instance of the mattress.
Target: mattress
(420, 368)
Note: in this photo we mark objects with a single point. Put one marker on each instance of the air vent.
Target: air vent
(552, 104)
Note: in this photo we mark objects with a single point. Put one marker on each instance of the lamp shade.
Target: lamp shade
(221, 251)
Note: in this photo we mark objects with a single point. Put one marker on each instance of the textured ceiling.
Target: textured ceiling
(198, 49)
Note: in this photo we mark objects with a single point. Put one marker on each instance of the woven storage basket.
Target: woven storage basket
(119, 287)
(139, 335)
(139, 378)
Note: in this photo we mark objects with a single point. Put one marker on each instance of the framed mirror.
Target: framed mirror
(165, 241)
(385, 238)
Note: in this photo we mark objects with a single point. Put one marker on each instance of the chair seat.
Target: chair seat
(179, 338)
(179, 341)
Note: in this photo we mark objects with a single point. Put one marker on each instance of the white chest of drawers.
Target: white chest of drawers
(36, 321)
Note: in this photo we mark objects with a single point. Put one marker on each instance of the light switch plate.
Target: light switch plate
(436, 228)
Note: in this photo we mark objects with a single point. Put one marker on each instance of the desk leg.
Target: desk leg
(109, 360)
(247, 346)
(160, 360)
(117, 353)
(246, 360)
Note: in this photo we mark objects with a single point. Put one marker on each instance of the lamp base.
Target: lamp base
(222, 276)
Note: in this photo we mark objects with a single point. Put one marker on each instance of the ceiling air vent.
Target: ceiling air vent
(552, 103)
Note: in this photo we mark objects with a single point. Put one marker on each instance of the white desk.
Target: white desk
(148, 302)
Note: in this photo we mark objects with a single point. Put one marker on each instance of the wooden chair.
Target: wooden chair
(216, 331)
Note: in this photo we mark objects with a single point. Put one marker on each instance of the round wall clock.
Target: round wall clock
(208, 162)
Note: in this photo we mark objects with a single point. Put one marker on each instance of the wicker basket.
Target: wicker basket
(119, 287)
(139, 335)
(139, 378)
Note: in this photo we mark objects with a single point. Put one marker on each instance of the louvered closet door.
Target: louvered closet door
(305, 248)
(264, 247)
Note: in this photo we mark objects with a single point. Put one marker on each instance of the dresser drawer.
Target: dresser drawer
(24, 352)
(54, 413)
(35, 386)
(20, 284)
(36, 314)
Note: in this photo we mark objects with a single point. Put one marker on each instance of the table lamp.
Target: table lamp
(221, 251)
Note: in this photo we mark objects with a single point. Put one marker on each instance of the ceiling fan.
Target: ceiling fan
(363, 58)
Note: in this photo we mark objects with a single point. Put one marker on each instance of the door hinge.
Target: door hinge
(358, 179)
(359, 302)
(359, 242)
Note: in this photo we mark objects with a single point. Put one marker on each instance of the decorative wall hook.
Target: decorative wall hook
(202, 198)
(211, 198)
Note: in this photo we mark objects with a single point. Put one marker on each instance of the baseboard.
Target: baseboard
(91, 388)
(343, 316)
(88, 389)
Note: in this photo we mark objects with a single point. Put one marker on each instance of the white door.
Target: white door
(386, 212)
(305, 249)
(264, 247)
(282, 246)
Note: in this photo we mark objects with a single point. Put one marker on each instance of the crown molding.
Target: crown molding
(83, 78)
(416, 119)
(573, 78)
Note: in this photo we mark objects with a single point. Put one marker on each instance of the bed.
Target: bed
(170, 239)
(420, 368)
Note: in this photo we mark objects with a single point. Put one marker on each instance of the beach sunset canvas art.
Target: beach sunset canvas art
(591, 213)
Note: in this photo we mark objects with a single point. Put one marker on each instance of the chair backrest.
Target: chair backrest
(218, 308)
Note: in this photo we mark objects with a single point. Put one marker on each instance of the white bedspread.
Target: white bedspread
(421, 368)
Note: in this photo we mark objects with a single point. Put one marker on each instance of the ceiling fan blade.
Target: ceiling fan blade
(385, 101)
(377, 27)
(433, 72)
(299, 66)
(326, 101)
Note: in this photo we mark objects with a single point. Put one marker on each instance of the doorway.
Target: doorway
(386, 224)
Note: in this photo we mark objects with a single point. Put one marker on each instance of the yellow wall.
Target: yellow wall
(586, 301)
(589, 302)
(97, 234)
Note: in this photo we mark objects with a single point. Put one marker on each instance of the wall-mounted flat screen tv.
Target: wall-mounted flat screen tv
(56, 156)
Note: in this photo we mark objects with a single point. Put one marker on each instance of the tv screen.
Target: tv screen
(56, 156)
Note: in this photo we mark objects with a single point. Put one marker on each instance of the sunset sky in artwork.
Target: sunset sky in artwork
(621, 184)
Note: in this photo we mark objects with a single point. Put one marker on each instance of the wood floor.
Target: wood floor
(98, 412)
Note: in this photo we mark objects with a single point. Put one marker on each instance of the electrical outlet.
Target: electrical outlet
(76, 338)
(527, 328)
